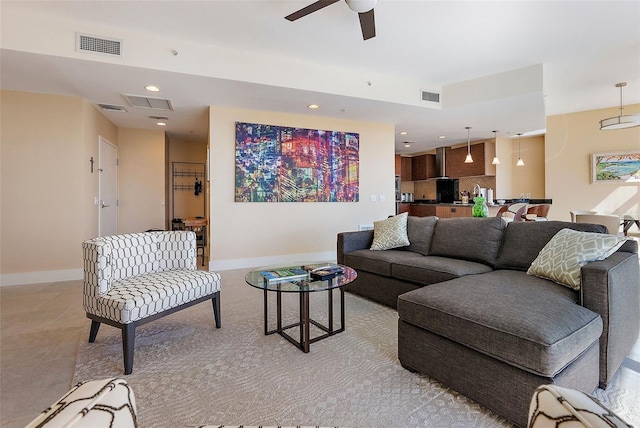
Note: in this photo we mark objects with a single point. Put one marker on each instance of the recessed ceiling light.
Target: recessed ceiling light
(403, 132)
(407, 145)
(152, 88)
(313, 106)
(442, 137)
(161, 124)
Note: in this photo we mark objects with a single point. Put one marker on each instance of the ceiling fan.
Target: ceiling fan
(364, 8)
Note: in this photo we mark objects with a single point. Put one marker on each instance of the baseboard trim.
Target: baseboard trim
(219, 265)
(22, 278)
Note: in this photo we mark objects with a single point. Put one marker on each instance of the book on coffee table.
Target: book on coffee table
(326, 272)
(287, 274)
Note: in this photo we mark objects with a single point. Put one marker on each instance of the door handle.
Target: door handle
(102, 205)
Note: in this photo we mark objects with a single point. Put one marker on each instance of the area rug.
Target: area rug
(188, 373)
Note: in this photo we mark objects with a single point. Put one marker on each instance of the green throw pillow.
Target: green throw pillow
(390, 233)
(563, 256)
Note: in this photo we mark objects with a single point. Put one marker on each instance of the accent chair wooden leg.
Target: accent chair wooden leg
(128, 343)
(93, 332)
(216, 308)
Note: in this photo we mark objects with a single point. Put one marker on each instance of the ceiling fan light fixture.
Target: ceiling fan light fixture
(361, 6)
(621, 121)
(364, 8)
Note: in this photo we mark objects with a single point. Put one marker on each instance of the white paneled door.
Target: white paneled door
(108, 188)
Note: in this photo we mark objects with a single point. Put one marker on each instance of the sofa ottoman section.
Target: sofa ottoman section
(542, 338)
(538, 342)
(494, 384)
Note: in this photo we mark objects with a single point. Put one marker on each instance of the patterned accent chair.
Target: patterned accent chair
(132, 279)
(553, 406)
(98, 403)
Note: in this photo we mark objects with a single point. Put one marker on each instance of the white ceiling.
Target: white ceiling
(498, 65)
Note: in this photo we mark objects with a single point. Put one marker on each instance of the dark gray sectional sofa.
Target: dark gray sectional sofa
(471, 317)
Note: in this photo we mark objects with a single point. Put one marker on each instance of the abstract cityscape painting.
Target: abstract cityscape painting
(285, 164)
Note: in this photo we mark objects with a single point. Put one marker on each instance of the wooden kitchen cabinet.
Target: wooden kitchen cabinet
(450, 211)
(422, 210)
(404, 208)
(398, 165)
(423, 167)
(405, 174)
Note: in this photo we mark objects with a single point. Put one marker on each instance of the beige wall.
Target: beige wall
(47, 187)
(512, 180)
(141, 178)
(528, 179)
(253, 234)
(570, 141)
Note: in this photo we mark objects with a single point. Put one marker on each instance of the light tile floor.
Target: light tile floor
(41, 326)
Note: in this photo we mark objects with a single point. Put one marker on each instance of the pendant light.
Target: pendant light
(520, 161)
(495, 160)
(622, 121)
(468, 159)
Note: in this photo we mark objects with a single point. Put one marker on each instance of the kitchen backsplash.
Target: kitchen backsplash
(427, 189)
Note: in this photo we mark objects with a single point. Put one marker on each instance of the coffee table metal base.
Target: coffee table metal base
(305, 321)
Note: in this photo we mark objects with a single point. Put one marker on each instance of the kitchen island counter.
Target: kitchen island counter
(425, 208)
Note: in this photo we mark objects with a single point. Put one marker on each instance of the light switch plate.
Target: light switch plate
(382, 198)
(374, 198)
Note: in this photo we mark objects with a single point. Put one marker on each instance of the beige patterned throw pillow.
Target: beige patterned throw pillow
(563, 256)
(390, 233)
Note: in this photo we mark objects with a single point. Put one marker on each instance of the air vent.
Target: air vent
(101, 45)
(110, 107)
(146, 102)
(430, 96)
(158, 117)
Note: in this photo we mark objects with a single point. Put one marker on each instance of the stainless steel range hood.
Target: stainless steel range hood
(441, 162)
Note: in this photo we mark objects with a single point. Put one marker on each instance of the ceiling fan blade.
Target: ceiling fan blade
(367, 24)
(313, 7)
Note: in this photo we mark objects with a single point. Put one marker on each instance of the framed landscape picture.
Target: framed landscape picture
(285, 164)
(615, 167)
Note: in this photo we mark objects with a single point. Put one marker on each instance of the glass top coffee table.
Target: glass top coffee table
(303, 286)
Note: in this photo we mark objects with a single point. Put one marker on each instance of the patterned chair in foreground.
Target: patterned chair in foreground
(132, 279)
(553, 406)
(94, 404)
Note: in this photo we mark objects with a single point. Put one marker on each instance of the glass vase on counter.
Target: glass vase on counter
(480, 208)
